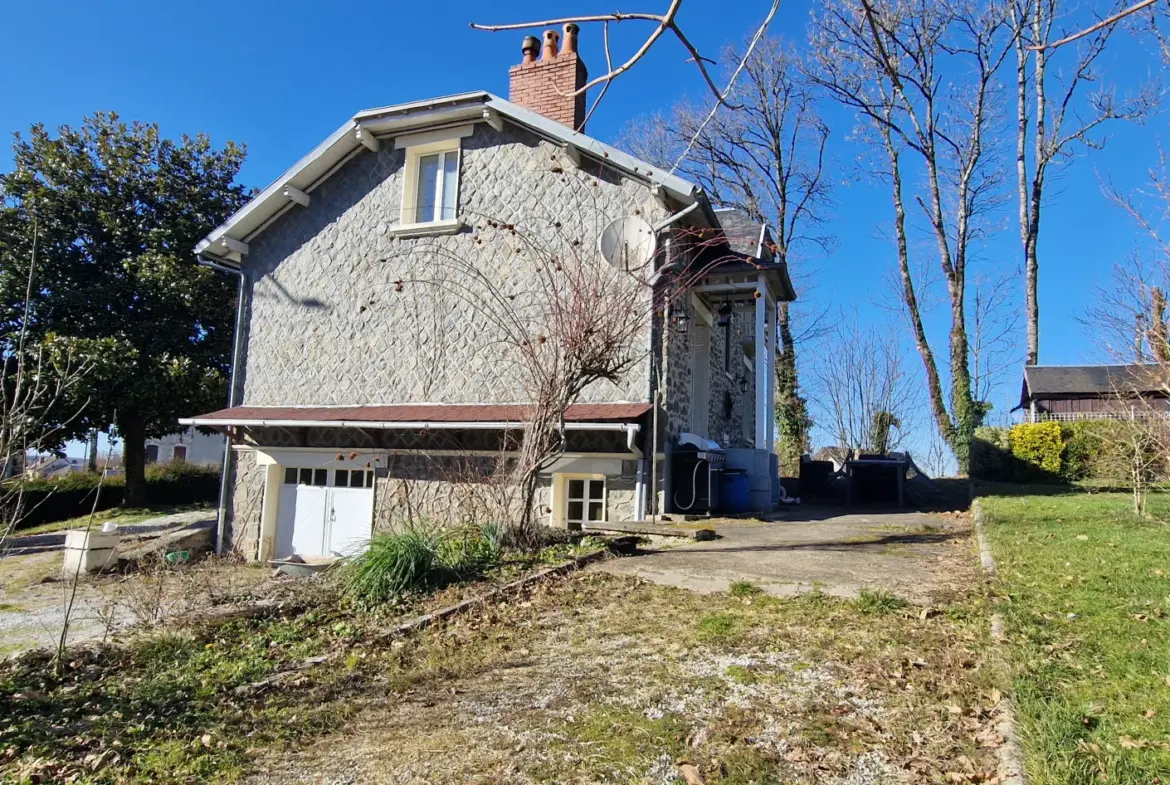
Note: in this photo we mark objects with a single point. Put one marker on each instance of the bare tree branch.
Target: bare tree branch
(1109, 21)
(666, 22)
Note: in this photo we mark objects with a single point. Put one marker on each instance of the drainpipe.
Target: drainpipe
(237, 342)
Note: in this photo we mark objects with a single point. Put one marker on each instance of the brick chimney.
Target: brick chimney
(546, 85)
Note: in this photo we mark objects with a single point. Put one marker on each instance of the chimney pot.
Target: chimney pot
(548, 86)
(570, 44)
(551, 38)
(529, 48)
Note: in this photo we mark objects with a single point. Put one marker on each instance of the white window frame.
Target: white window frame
(562, 482)
(444, 142)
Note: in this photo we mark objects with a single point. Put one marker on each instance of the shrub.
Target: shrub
(1040, 444)
(991, 454)
(1084, 441)
(72, 496)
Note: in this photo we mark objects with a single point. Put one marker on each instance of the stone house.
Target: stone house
(359, 398)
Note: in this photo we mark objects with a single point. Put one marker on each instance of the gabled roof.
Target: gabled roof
(366, 126)
(744, 234)
(1061, 381)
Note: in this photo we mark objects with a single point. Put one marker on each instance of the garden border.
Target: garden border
(1011, 756)
(419, 623)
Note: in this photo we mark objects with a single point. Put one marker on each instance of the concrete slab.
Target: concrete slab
(910, 554)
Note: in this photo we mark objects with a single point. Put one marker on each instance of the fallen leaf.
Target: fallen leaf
(1150, 714)
(1082, 537)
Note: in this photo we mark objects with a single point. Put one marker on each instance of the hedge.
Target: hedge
(46, 501)
(1049, 452)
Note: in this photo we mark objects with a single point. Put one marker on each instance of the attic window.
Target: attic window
(430, 182)
(436, 186)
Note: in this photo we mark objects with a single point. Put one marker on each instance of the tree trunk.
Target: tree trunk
(133, 435)
(91, 460)
(791, 409)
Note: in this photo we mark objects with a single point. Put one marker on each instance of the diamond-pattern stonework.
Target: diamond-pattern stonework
(247, 494)
(330, 323)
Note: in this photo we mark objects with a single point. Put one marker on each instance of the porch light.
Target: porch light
(743, 383)
(681, 319)
(725, 317)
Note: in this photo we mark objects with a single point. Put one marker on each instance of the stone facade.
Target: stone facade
(344, 312)
(731, 410)
(246, 504)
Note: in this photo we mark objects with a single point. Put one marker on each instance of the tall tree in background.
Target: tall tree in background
(921, 78)
(765, 156)
(121, 209)
(1054, 120)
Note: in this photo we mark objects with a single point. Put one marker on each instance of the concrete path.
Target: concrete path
(913, 555)
(55, 541)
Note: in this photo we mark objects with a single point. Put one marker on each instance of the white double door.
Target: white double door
(324, 512)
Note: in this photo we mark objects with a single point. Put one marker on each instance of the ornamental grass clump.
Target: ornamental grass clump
(418, 558)
(395, 564)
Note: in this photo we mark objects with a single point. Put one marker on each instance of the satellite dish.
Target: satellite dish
(627, 243)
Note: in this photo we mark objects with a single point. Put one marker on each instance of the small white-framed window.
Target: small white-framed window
(436, 187)
(430, 183)
(584, 501)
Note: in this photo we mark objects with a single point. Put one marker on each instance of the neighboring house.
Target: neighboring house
(357, 404)
(190, 446)
(1092, 392)
(47, 466)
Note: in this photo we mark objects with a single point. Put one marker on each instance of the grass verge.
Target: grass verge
(1087, 611)
(123, 516)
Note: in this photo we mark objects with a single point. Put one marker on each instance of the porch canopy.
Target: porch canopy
(420, 416)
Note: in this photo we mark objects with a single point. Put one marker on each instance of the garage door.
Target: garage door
(324, 512)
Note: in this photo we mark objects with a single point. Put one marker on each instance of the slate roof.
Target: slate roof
(412, 415)
(1064, 381)
(743, 232)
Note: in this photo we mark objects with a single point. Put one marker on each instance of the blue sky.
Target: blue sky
(280, 76)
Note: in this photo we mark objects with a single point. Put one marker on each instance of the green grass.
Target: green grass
(1087, 611)
(123, 516)
(744, 589)
(878, 602)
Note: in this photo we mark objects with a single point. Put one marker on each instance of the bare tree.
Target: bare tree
(1155, 6)
(921, 78)
(663, 23)
(1129, 319)
(862, 387)
(1053, 130)
(37, 376)
(994, 350)
(555, 322)
(766, 158)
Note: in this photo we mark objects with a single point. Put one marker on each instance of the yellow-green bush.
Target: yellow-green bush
(1040, 444)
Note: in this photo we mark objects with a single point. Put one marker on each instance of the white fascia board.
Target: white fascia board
(419, 115)
(214, 422)
(679, 188)
(301, 175)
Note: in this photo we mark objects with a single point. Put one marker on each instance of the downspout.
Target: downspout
(237, 342)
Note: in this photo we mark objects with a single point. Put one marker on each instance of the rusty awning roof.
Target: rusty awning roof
(581, 416)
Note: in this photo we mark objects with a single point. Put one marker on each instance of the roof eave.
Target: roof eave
(313, 168)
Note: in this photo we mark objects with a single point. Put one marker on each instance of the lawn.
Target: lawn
(585, 679)
(1086, 590)
(123, 516)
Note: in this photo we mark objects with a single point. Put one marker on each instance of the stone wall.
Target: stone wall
(344, 312)
(245, 504)
(731, 413)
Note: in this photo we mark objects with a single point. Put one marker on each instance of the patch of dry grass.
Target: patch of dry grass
(604, 679)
